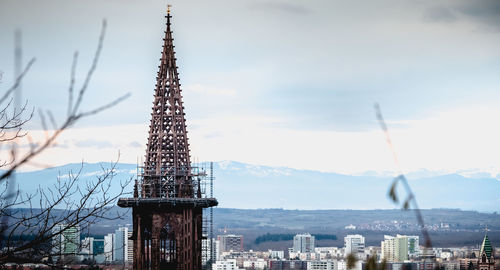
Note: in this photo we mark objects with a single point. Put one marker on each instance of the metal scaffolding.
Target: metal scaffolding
(208, 246)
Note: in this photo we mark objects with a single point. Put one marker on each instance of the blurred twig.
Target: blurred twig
(410, 198)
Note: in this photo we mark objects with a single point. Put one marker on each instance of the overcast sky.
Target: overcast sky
(288, 83)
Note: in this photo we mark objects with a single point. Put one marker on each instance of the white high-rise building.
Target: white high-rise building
(108, 246)
(388, 248)
(354, 244)
(87, 248)
(303, 243)
(217, 250)
(121, 245)
(206, 250)
(395, 249)
(130, 248)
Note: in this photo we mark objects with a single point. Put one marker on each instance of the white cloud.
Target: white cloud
(463, 140)
(459, 139)
(113, 142)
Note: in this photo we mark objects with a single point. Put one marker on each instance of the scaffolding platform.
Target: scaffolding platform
(168, 202)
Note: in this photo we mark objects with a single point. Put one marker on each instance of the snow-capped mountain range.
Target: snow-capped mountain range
(240, 185)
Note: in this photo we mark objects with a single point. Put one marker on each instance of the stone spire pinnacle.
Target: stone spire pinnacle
(167, 169)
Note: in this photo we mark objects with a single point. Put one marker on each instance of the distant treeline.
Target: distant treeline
(325, 236)
(275, 237)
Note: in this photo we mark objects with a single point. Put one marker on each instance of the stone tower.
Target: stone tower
(167, 204)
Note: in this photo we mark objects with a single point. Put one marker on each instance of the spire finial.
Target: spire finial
(168, 8)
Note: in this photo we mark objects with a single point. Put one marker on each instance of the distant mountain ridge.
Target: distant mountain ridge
(246, 186)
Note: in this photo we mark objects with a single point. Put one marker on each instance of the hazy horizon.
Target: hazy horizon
(246, 186)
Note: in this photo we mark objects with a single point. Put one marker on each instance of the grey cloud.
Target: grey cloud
(484, 8)
(281, 7)
(484, 12)
(439, 14)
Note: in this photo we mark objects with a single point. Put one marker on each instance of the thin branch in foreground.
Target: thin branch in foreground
(75, 114)
(72, 82)
(93, 205)
(70, 201)
(18, 81)
(92, 68)
(410, 199)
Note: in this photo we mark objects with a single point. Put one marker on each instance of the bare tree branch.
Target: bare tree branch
(71, 201)
(75, 114)
(17, 82)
